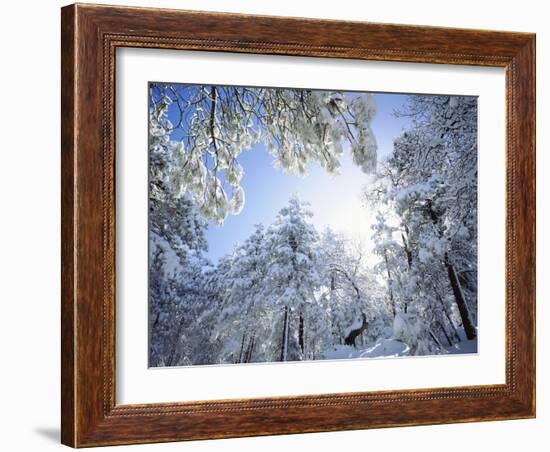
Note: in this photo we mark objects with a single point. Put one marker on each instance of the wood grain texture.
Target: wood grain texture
(90, 36)
(67, 226)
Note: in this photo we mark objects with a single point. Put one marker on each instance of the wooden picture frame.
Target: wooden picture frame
(90, 36)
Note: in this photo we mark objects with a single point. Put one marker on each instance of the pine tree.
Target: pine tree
(243, 317)
(292, 278)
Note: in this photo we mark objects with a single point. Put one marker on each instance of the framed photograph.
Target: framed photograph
(280, 225)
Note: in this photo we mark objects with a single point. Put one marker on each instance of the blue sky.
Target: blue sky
(334, 199)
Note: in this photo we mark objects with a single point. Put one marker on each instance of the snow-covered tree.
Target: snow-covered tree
(287, 292)
(430, 181)
(243, 316)
(177, 295)
(198, 132)
(179, 306)
(292, 279)
(349, 290)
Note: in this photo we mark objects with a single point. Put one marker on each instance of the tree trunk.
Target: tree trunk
(390, 283)
(448, 317)
(301, 334)
(460, 300)
(442, 328)
(155, 323)
(284, 342)
(242, 349)
(250, 348)
(408, 251)
(175, 342)
(469, 329)
(350, 339)
(436, 340)
(453, 327)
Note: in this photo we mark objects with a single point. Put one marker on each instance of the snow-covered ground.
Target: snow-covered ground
(391, 348)
(463, 347)
(380, 349)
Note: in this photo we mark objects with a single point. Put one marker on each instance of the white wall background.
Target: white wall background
(29, 226)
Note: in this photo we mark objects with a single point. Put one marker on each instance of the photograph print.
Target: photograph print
(292, 224)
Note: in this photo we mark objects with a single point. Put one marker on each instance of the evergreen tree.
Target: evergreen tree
(244, 317)
(292, 278)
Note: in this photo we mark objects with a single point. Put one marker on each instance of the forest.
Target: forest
(291, 292)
